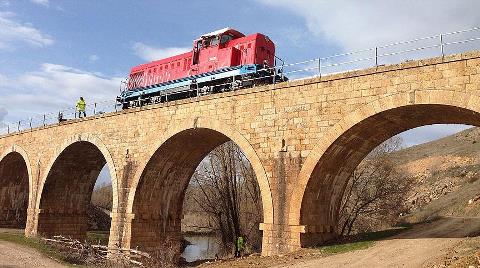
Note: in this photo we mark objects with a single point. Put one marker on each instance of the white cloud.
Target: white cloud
(12, 32)
(41, 2)
(354, 25)
(3, 113)
(429, 133)
(54, 87)
(149, 53)
(93, 58)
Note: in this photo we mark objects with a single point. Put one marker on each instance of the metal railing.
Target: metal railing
(431, 46)
(95, 109)
(414, 49)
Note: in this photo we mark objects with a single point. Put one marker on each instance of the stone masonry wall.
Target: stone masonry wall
(283, 129)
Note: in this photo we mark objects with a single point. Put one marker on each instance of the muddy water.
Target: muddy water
(202, 248)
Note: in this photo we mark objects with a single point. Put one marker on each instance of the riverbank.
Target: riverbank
(360, 242)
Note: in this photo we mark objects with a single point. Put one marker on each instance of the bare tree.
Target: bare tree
(15, 199)
(224, 187)
(375, 193)
(102, 196)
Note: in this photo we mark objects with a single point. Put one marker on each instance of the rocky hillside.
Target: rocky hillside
(98, 218)
(447, 173)
(99, 210)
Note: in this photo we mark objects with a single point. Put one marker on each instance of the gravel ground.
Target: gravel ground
(14, 255)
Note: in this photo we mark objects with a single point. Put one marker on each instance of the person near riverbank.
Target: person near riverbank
(239, 246)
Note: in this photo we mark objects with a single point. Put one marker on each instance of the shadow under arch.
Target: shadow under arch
(156, 204)
(15, 187)
(323, 177)
(66, 187)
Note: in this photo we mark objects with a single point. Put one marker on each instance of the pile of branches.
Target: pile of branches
(76, 252)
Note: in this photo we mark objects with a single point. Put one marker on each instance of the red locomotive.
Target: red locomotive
(219, 61)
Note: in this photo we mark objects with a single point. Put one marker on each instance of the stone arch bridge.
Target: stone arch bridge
(303, 138)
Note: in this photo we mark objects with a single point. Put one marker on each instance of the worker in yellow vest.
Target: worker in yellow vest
(81, 107)
(239, 246)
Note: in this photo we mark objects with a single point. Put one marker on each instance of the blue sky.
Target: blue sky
(53, 51)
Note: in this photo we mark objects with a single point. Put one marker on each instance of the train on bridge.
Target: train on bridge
(220, 61)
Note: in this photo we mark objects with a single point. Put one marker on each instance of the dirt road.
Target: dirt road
(423, 246)
(14, 255)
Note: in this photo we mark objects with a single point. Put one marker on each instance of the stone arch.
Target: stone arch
(16, 170)
(214, 133)
(321, 182)
(67, 183)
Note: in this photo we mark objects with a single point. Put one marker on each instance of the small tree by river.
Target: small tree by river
(375, 193)
(224, 189)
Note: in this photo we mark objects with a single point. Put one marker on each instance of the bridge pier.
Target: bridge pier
(278, 239)
(162, 237)
(32, 223)
(120, 234)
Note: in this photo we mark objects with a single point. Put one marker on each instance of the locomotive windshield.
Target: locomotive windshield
(215, 40)
(208, 41)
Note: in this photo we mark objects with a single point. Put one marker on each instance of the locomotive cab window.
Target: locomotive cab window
(205, 43)
(214, 41)
(225, 38)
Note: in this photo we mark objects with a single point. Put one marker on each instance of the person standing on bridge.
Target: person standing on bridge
(81, 107)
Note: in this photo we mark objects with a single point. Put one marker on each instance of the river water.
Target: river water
(202, 247)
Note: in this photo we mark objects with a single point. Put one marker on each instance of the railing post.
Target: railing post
(274, 75)
(8, 129)
(275, 70)
(320, 67)
(376, 56)
(94, 108)
(442, 45)
(18, 127)
(31, 123)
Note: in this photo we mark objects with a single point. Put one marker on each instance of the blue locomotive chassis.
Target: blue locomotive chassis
(171, 86)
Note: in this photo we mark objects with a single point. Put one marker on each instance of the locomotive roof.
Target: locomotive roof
(221, 31)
